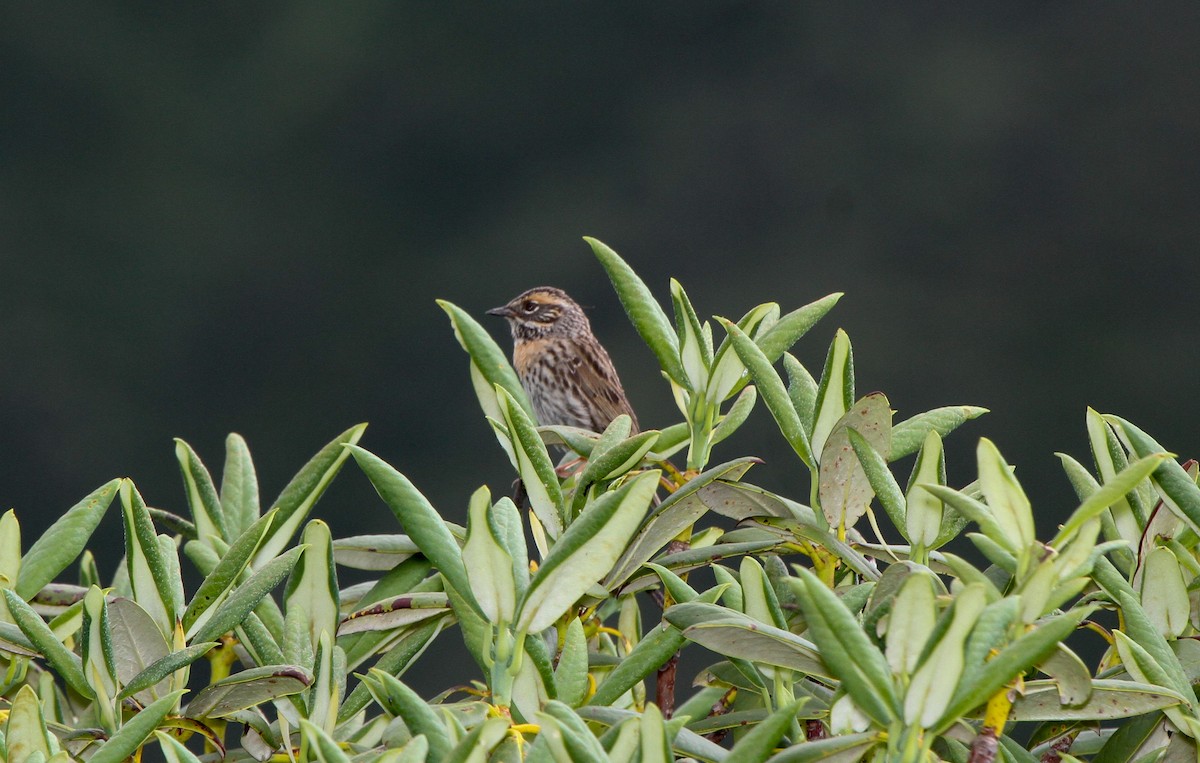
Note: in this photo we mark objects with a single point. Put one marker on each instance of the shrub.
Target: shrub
(829, 641)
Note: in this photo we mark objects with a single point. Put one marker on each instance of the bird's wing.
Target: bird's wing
(599, 383)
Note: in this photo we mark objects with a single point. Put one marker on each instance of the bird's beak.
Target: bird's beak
(503, 311)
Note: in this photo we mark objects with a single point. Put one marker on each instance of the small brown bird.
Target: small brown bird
(565, 371)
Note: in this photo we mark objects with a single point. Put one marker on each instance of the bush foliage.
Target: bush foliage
(826, 640)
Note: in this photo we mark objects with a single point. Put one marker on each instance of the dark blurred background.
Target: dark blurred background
(237, 218)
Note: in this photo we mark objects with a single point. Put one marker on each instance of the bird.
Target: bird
(565, 371)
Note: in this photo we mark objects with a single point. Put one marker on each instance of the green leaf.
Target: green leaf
(303, 491)
(736, 415)
(933, 684)
(765, 735)
(925, 518)
(585, 552)
(773, 392)
(221, 579)
(1178, 490)
(650, 654)
(1110, 492)
(841, 749)
(419, 519)
(242, 601)
(980, 682)
(570, 676)
(475, 746)
(728, 373)
(908, 435)
(136, 731)
(402, 702)
(172, 750)
(785, 332)
(976, 511)
(136, 644)
(64, 662)
(492, 577)
(312, 586)
(162, 668)
(737, 635)
(319, 747)
(247, 689)
(533, 464)
(844, 488)
(577, 738)
(201, 494)
(63, 541)
(486, 356)
(846, 649)
(395, 662)
(644, 312)
(1004, 496)
(835, 394)
(695, 353)
(677, 512)
(239, 488)
(25, 732)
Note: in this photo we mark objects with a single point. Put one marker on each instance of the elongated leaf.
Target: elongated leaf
(585, 552)
(303, 491)
(62, 543)
(1179, 490)
(401, 701)
(976, 511)
(247, 689)
(908, 435)
(227, 571)
(728, 373)
(650, 654)
(172, 750)
(848, 652)
(136, 641)
(736, 635)
(1004, 496)
(242, 601)
(397, 660)
(787, 330)
(570, 676)
(1109, 493)
(533, 464)
(487, 357)
(765, 735)
(844, 487)
(26, 728)
(643, 310)
(774, 394)
(981, 682)
(312, 586)
(736, 415)
(686, 743)
(375, 553)
(1110, 700)
(419, 519)
(65, 662)
(578, 740)
(680, 510)
(136, 731)
(201, 493)
(160, 669)
(393, 613)
(695, 353)
(840, 749)
(835, 394)
(239, 488)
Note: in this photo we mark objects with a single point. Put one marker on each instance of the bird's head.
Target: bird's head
(543, 311)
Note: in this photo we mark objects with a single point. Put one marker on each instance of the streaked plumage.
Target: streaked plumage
(565, 371)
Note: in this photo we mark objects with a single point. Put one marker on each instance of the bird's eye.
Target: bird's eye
(530, 306)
